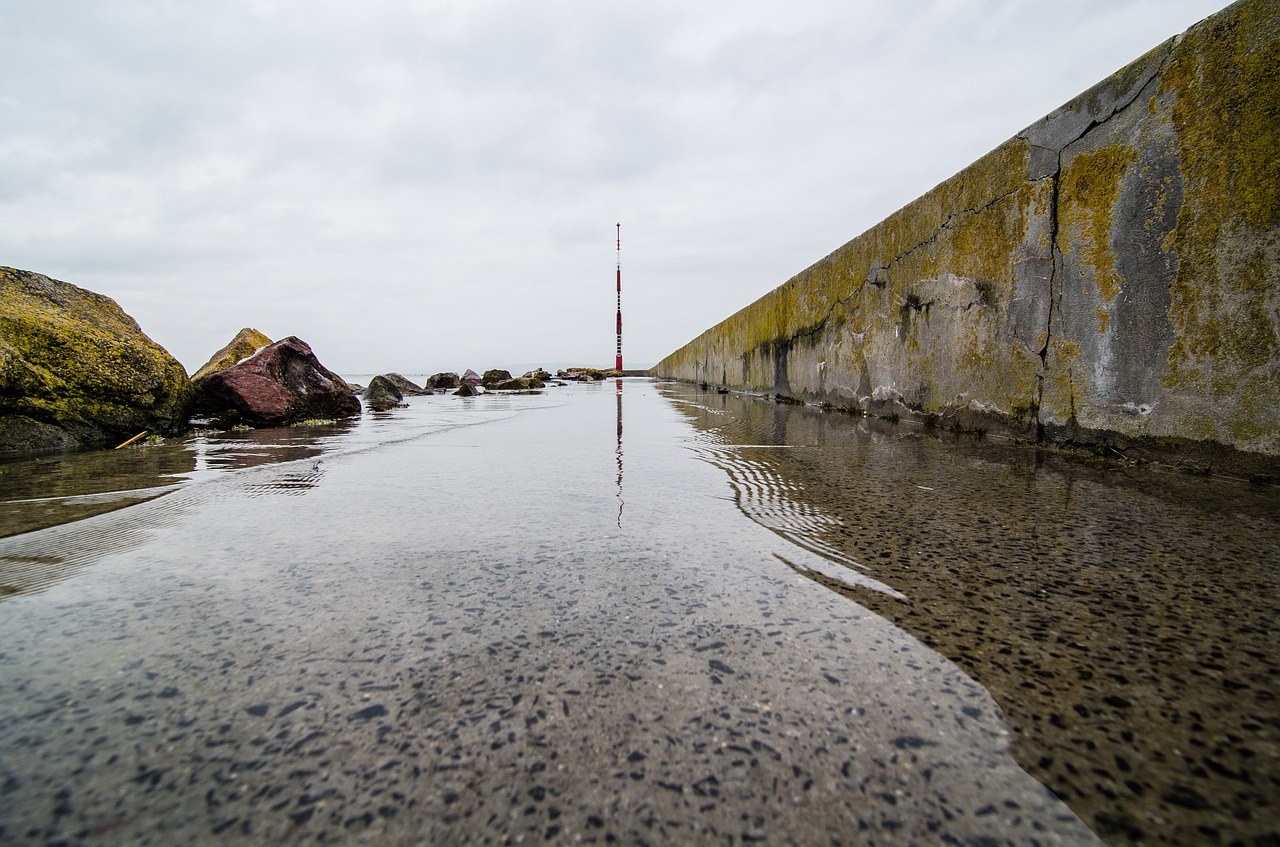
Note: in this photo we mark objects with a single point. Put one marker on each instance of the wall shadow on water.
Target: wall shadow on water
(1122, 618)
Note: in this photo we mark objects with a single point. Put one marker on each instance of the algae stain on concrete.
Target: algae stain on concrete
(1089, 190)
(1225, 81)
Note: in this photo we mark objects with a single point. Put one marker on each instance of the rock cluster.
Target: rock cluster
(522, 383)
(76, 371)
(585, 374)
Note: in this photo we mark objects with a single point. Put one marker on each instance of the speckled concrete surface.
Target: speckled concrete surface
(528, 630)
(1123, 619)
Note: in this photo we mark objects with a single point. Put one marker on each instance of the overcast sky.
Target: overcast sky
(425, 186)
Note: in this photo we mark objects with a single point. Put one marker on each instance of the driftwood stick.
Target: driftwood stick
(137, 437)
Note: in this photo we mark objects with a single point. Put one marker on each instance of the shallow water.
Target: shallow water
(63, 487)
(592, 614)
(1123, 619)
(533, 627)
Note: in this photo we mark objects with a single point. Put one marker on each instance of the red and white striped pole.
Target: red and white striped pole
(618, 362)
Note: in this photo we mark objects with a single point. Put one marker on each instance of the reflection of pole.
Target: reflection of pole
(618, 362)
(618, 452)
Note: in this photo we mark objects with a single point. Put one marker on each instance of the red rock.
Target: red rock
(280, 384)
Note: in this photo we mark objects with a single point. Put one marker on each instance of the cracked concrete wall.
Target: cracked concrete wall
(1110, 271)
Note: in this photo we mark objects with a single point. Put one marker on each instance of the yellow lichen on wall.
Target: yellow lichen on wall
(1089, 188)
(949, 230)
(1225, 78)
(1061, 377)
(945, 262)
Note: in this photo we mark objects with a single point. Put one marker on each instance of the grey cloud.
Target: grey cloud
(447, 171)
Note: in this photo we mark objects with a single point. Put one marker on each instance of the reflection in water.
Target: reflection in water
(775, 504)
(621, 503)
(33, 562)
(771, 502)
(58, 493)
(54, 489)
(1121, 618)
(60, 488)
(294, 483)
(25, 573)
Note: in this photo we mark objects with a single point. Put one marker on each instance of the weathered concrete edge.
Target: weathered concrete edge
(1106, 277)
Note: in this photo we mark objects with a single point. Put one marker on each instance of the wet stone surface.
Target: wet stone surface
(1123, 619)
(532, 629)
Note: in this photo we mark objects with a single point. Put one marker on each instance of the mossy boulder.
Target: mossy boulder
(493, 376)
(247, 342)
(282, 383)
(444, 380)
(382, 393)
(76, 371)
(581, 374)
(406, 386)
(522, 383)
(20, 434)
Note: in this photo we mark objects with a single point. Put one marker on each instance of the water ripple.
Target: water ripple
(768, 499)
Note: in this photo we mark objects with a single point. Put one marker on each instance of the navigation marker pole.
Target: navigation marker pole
(618, 362)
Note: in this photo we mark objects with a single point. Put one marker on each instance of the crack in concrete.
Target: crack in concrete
(816, 327)
(1055, 251)
(1054, 255)
(948, 224)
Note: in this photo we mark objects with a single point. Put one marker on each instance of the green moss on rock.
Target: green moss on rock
(247, 342)
(73, 360)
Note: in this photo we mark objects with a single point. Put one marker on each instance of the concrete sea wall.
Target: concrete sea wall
(1108, 275)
